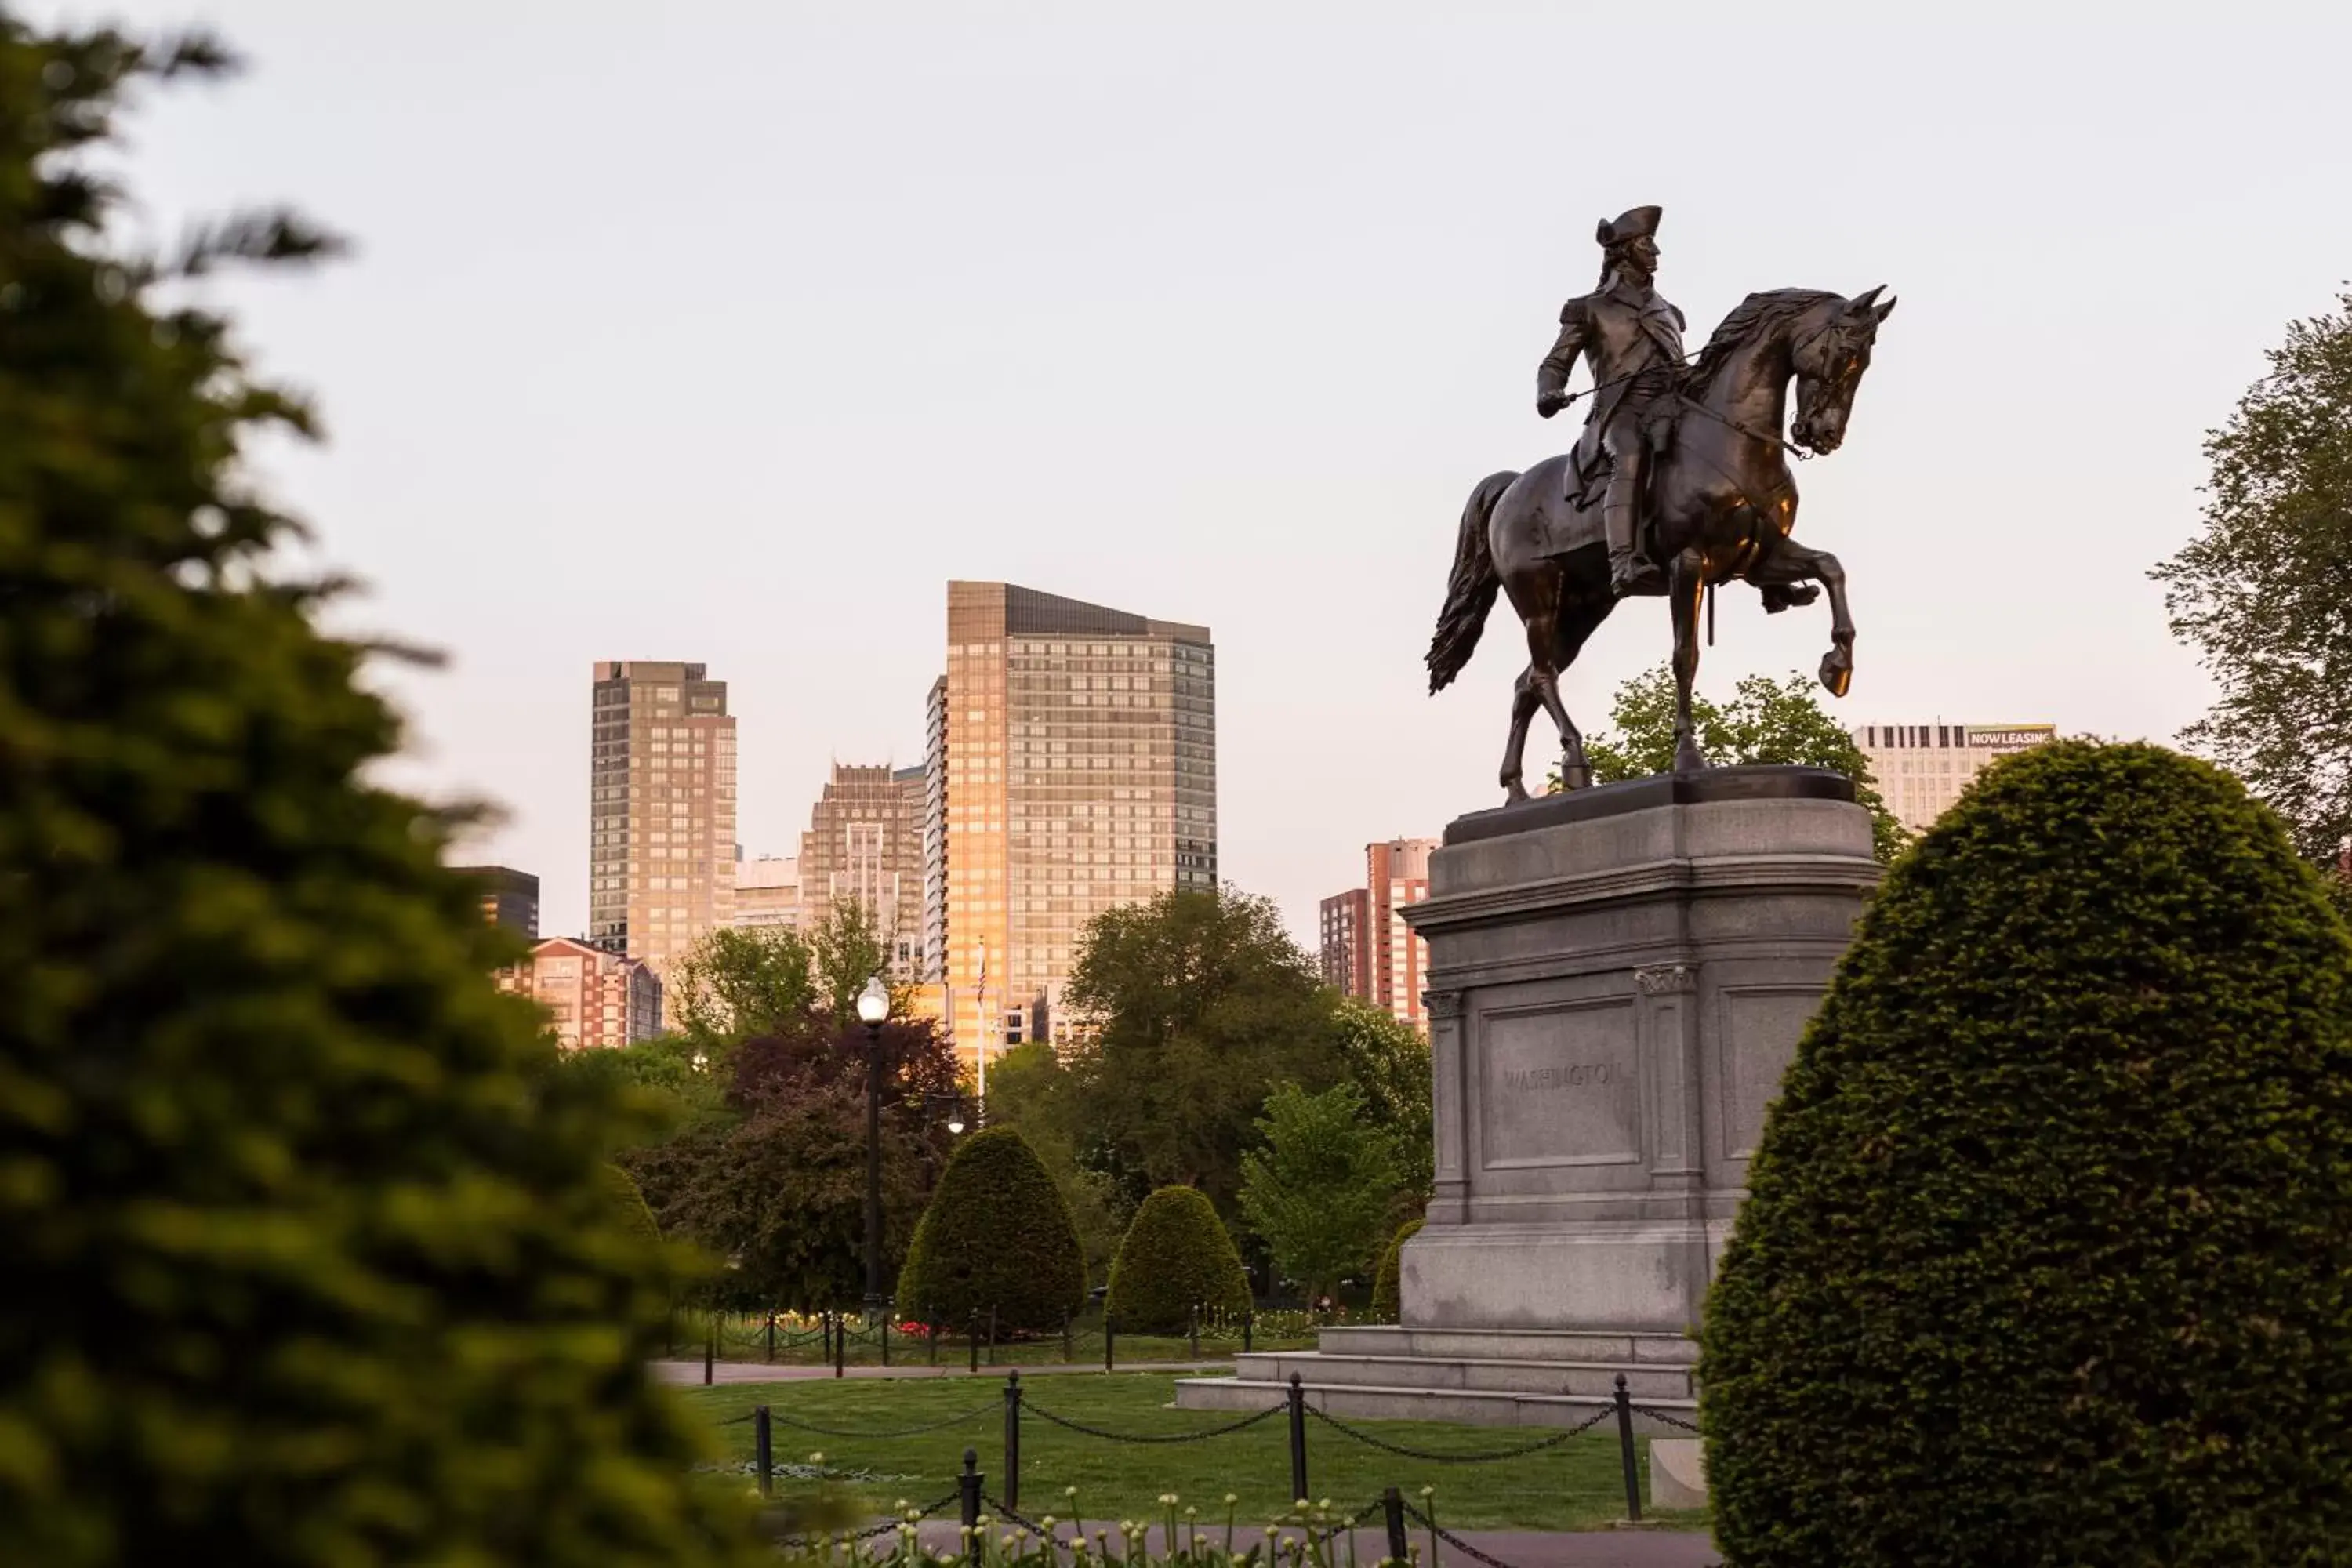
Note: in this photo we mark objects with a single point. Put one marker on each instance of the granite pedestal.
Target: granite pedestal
(1617, 978)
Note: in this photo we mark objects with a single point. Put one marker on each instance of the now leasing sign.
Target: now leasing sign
(2009, 737)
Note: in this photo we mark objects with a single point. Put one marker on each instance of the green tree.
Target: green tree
(1767, 720)
(846, 950)
(2047, 1254)
(308, 1258)
(1388, 1059)
(996, 1243)
(1388, 1283)
(737, 981)
(1319, 1190)
(2260, 593)
(1198, 1003)
(777, 1186)
(1029, 1091)
(1175, 1258)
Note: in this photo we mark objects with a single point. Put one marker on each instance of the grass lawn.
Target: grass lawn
(1576, 1486)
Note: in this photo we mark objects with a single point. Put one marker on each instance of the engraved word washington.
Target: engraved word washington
(1576, 1077)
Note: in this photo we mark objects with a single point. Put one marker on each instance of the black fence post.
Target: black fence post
(764, 1449)
(969, 1484)
(1012, 1439)
(1110, 1339)
(840, 1341)
(1399, 1549)
(1249, 1322)
(883, 1327)
(1192, 1330)
(972, 1340)
(1625, 1447)
(1297, 1440)
(772, 1336)
(934, 1337)
(709, 1346)
(992, 1336)
(824, 1327)
(1069, 1349)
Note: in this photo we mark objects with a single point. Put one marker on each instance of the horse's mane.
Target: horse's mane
(1752, 315)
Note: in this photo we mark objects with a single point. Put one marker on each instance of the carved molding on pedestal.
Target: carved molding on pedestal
(1666, 979)
(1442, 1003)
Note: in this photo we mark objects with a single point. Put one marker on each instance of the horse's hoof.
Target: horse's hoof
(1837, 671)
(1578, 777)
(1689, 759)
(1514, 792)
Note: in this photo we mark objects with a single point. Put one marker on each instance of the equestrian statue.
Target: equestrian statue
(1678, 483)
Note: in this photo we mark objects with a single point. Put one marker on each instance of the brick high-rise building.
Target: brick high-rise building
(1920, 769)
(509, 898)
(1368, 949)
(595, 999)
(1080, 766)
(865, 844)
(661, 814)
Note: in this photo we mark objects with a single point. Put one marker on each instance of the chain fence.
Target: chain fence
(1406, 1451)
(1440, 1532)
(1110, 1436)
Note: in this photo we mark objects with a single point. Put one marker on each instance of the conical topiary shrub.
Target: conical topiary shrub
(1388, 1292)
(308, 1260)
(996, 1239)
(1174, 1257)
(2047, 1254)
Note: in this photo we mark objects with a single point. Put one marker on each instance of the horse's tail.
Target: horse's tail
(1470, 592)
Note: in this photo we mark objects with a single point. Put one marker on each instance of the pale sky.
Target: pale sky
(729, 331)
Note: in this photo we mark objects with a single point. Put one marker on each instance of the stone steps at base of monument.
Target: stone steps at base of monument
(1466, 1406)
(1597, 1379)
(1579, 1345)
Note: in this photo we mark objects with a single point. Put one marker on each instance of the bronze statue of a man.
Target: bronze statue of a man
(1632, 338)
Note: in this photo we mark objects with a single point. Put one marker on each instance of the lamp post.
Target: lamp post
(873, 1009)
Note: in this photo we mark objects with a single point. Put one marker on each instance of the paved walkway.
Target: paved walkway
(689, 1372)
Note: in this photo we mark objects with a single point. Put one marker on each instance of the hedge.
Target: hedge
(1176, 1256)
(2046, 1250)
(1388, 1302)
(997, 1238)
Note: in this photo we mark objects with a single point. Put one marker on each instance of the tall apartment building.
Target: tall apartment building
(1080, 768)
(935, 832)
(1347, 958)
(865, 844)
(1368, 949)
(509, 898)
(1921, 769)
(661, 813)
(768, 892)
(595, 999)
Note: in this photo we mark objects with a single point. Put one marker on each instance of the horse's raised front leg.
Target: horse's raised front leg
(1686, 582)
(1792, 563)
(1523, 703)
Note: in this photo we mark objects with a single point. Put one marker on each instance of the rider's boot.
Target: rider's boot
(1629, 571)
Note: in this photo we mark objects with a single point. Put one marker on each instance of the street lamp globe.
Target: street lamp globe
(873, 1003)
(955, 1121)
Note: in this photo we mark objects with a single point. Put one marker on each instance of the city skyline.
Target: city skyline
(875, 408)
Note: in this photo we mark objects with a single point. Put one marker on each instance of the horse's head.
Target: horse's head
(1831, 353)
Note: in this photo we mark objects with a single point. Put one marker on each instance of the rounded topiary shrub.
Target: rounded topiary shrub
(997, 1238)
(1175, 1256)
(1388, 1302)
(2048, 1242)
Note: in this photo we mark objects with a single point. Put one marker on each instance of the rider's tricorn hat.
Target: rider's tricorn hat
(1629, 227)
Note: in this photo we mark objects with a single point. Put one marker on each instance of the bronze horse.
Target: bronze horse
(1721, 505)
